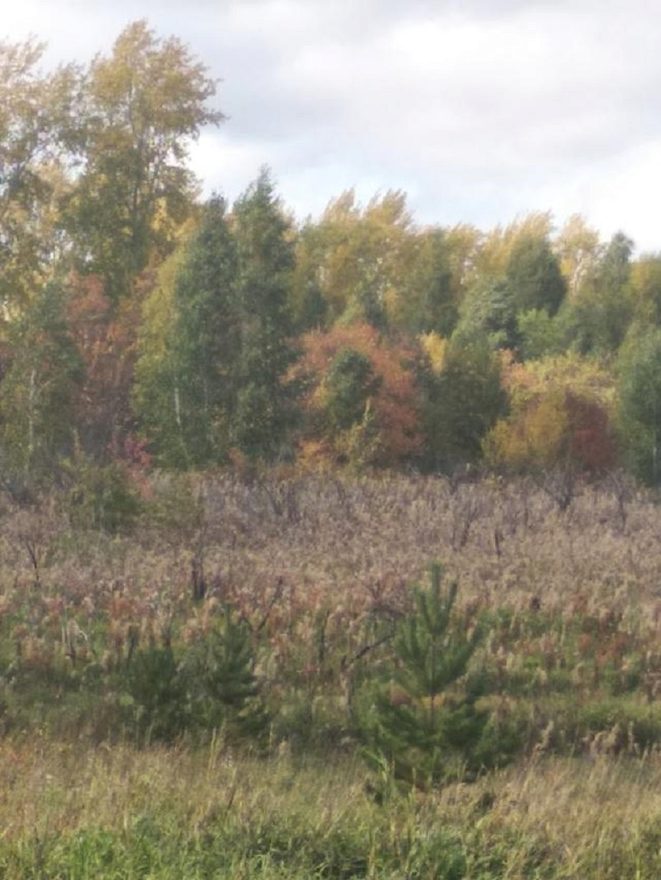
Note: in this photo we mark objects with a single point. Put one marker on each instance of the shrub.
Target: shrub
(101, 496)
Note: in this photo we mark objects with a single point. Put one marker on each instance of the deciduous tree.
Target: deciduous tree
(142, 107)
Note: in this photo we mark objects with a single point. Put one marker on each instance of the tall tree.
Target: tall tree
(38, 392)
(35, 114)
(601, 314)
(488, 314)
(462, 398)
(430, 304)
(142, 106)
(265, 261)
(361, 259)
(186, 375)
(646, 289)
(577, 247)
(533, 274)
(105, 337)
(639, 392)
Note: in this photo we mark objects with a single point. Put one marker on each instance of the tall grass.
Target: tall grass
(319, 570)
(83, 812)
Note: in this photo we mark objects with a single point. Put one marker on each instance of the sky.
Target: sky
(480, 110)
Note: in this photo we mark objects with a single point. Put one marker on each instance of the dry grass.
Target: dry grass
(569, 818)
(312, 562)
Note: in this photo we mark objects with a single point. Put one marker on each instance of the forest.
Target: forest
(328, 546)
(144, 327)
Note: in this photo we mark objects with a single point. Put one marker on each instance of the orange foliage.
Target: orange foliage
(556, 429)
(105, 337)
(393, 405)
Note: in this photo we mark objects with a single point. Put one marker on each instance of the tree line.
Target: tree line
(140, 324)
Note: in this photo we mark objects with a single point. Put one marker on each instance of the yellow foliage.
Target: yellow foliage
(497, 246)
(537, 438)
(435, 347)
(577, 246)
(583, 377)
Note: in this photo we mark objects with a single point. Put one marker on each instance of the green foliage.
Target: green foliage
(348, 386)
(488, 313)
(34, 122)
(540, 334)
(265, 258)
(219, 672)
(142, 106)
(209, 685)
(639, 394)
(426, 727)
(432, 304)
(461, 402)
(37, 393)
(101, 496)
(646, 289)
(156, 695)
(600, 315)
(534, 277)
(186, 384)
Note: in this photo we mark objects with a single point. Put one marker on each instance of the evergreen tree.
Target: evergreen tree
(348, 386)
(437, 310)
(426, 724)
(488, 314)
(639, 413)
(221, 681)
(460, 403)
(264, 405)
(205, 344)
(186, 378)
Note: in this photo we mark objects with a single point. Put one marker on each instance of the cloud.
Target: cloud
(480, 109)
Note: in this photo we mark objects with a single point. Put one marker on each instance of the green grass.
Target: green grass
(77, 812)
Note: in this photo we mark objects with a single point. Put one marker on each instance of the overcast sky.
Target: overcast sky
(481, 110)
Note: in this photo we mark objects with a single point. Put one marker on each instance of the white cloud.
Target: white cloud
(480, 109)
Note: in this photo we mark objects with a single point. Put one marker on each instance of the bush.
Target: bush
(212, 685)
(101, 496)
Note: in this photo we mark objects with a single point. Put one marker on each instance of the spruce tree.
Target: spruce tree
(265, 254)
(186, 375)
(205, 343)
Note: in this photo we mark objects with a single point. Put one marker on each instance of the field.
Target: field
(110, 766)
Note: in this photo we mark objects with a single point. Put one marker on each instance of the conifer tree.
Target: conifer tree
(639, 410)
(219, 675)
(461, 402)
(426, 723)
(205, 343)
(264, 407)
(186, 373)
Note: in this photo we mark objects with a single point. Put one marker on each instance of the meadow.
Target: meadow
(125, 753)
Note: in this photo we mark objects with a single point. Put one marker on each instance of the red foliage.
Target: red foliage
(592, 440)
(395, 402)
